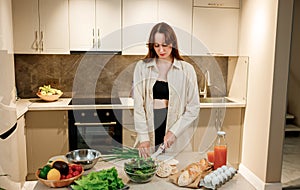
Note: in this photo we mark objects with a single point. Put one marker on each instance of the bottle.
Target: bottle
(220, 150)
(210, 154)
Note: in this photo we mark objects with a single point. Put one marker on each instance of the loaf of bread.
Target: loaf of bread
(191, 172)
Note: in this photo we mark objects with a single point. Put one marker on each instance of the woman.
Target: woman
(166, 99)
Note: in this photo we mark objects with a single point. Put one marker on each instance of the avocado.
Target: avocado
(62, 167)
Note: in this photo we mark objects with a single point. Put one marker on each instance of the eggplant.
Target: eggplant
(62, 167)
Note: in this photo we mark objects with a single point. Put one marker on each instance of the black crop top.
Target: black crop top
(161, 90)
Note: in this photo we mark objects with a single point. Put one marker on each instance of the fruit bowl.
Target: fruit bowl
(49, 98)
(57, 183)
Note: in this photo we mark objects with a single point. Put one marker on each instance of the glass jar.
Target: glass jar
(220, 150)
(210, 154)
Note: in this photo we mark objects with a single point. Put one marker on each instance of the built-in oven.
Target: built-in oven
(95, 128)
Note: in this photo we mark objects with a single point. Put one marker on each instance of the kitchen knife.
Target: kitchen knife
(160, 149)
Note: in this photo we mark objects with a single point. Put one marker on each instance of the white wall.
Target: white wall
(264, 118)
(294, 76)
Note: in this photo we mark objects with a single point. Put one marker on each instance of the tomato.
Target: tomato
(75, 173)
(69, 176)
(74, 167)
(79, 168)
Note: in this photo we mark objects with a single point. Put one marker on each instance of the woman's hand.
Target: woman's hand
(144, 149)
(169, 139)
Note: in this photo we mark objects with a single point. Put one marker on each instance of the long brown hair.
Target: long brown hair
(170, 36)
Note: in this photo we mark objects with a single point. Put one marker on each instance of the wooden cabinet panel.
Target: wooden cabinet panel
(232, 124)
(129, 134)
(46, 136)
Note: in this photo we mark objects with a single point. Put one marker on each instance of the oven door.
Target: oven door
(91, 133)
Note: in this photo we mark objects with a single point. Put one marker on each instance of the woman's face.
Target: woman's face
(162, 49)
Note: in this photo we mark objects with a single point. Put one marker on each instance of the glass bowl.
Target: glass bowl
(140, 170)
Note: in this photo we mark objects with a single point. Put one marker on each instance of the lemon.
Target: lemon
(53, 174)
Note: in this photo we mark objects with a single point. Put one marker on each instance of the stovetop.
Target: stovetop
(94, 101)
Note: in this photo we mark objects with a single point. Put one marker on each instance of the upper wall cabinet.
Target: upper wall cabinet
(179, 14)
(139, 16)
(215, 31)
(217, 3)
(6, 29)
(41, 26)
(95, 25)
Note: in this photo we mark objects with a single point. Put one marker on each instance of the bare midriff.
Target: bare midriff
(160, 103)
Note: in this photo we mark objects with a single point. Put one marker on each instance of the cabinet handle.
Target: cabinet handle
(35, 43)
(216, 4)
(133, 136)
(98, 38)
(41, 43)
(93, 37)
(89, 124)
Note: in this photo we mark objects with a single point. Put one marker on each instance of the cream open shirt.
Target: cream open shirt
(184, 105)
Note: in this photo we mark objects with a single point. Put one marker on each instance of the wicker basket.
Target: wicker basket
(57, 183)
(49, 98)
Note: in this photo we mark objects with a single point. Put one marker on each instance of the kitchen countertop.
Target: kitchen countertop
(184, 158)
(36, 104)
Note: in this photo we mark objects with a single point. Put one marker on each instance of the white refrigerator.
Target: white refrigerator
(9, 129)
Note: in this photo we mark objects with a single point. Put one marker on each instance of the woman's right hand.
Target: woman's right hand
(144, 149)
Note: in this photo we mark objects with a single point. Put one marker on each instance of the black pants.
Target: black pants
(160, 122)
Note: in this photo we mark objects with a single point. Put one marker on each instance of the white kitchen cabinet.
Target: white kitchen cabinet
(215, 31)
(13, 158)
(218, 3)
(139, 16)
(95, 25)
(41, 26)
(6, 29)
(46, 136)
(179, 14)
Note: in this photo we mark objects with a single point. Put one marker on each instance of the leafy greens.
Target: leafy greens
(100, 180)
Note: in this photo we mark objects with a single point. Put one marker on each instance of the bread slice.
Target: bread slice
(164, 170)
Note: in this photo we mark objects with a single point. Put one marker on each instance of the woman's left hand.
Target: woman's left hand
(169, 139)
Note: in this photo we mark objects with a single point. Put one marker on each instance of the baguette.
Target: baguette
(191, 172)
